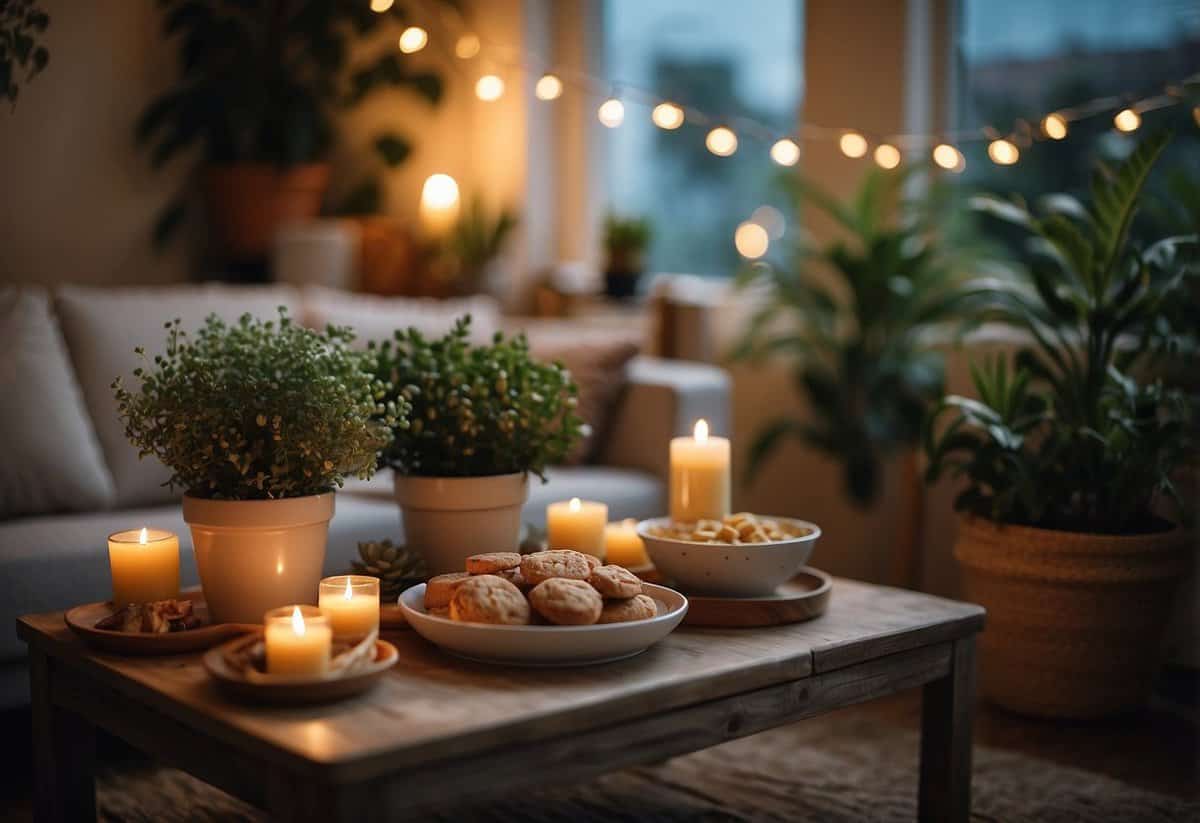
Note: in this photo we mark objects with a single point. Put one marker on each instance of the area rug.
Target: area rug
(839, 768)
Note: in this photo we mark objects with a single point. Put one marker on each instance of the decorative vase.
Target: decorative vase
(448, 519)
(257, 555)
(1075, 622)
(247, 203)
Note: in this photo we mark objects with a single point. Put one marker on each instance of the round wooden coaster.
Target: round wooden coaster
(803, 597)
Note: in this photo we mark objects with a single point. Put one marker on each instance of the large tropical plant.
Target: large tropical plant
(1074, 434)
(853, 319)
(22, 57)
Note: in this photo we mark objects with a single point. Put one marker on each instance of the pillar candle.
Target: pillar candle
(145, 566)
(623, 546)
(439, 206)
(577, 524)
(699, 476)
(351, 603)
(298, 641)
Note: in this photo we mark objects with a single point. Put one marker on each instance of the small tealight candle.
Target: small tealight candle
(623, 546)
(351, 602)
(577, 524)
(145, 566)
(298, 640)
(699, 476)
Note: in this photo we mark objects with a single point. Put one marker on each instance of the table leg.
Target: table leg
(947, 713)
(64, 747)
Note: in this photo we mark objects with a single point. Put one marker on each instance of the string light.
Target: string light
(751, 240)
(721, 141)
(948, 157)
(1054, 126)
(467, 46)
(1003, 152)
(548, 87)
(489, 88)
(667, 116)
(852, 144)
(1127, 120)
(611, 112)
(887, 156)
(1196, 115)
(785, 152)
(380, 6)
(413, 39)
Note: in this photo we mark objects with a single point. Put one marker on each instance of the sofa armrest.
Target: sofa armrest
(663, 399)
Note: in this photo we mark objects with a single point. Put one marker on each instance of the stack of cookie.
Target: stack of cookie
(562, 587)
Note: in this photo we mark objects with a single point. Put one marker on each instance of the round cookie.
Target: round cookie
(640, 607)
(541, 566)
(566, 602)
(440, 589)
(486, 598)
(616, 582)
(515, 577)
(492, 562)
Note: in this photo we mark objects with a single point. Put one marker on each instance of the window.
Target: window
(728, 60)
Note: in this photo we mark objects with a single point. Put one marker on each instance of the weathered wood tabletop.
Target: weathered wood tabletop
(438, 728)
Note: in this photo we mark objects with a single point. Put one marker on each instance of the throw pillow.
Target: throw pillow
(375, 318)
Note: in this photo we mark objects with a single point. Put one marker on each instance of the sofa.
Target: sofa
(70, 478)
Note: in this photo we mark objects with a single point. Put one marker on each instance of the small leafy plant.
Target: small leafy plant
(259, 409)
(476, 410)
(1074, 436)
(477, 239)
(626, 240)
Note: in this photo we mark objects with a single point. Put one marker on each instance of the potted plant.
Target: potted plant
(475, 242)
(482, 419)
(260, 87)
(1066, 455)
(259, 422)
(625, 242)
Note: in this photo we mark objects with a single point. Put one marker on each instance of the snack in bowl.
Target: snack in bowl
(541, 566)
(486, 598)
(158, 617)
(638, 607)
(492, 562)
(566, 602)
(440, 589)
(733, 529)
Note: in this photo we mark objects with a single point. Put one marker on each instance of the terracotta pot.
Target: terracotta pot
(257, 555)
(448, 519)
(247, 203)
(1075, 622)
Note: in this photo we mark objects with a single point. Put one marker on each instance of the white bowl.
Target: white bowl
(546, 645)
(721, 570)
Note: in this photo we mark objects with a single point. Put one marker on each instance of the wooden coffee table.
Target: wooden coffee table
(439, 730)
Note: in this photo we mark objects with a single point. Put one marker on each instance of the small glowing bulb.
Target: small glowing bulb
(721, 141)
(489, 87)
(349, 593)
(574, 505)
(751, 241)
(1003, 152)
(667, 116)
(144, 537)
(440, 191)
(948, 157)
(380, 6)
(1127, 120)
(297, 622)
(413, 39)
(700, 432)
(548, 87)
(785, 152)
(466, 47)
(852, 144)
(887, 156)
(611, 112)
(279, 566)
(1054, 126)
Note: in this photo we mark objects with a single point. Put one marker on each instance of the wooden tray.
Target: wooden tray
(83, 619)
(293, 692)
(803, 597)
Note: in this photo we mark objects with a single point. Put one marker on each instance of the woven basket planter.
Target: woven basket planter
(1075, 622)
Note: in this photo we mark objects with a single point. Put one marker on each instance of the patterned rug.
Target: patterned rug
(842, 767)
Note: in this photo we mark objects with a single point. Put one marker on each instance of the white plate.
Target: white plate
(547, 645)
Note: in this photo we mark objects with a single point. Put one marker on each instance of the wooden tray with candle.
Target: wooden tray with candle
(83, 620)
(804, 597)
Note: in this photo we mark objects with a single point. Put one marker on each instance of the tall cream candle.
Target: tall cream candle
(145, 566)
(700, 484)
(298, 640)
(577, 524)
(351, 602)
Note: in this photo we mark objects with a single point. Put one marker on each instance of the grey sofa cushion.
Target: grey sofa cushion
(376, 318)
(102, 328)
(52, 460)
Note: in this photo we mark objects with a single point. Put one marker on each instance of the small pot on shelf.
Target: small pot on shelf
(246, 204)
(623, 273)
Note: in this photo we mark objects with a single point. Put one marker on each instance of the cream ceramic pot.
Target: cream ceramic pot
(257, 555)
(448, 519)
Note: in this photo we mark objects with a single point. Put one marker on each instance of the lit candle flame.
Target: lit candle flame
(144, 537)
(349, 595)
(700, 433)
(574, 505)
(297, 622)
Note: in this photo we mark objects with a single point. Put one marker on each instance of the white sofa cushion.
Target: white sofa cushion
(376, 318)
(52, 460)
(102, 328)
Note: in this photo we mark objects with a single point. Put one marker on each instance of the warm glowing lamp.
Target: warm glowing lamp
(1127, 120)
(611, 112)
(887, 156)
(751, 241)
(466, 47)
(380, 6)
(548, 87)
(852, 144)
(489, 88)
(785, 152)
(439, 205)
(721, 141)
(1003, 152)
(413, 39)
(1054, 126)
(667, 116)
(948, 157)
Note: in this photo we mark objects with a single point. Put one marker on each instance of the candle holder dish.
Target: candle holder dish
(804, 597)
(82, 620)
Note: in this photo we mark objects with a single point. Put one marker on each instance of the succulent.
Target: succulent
(397, 567)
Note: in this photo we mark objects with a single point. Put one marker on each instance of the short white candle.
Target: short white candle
(439, 205)
(623, 546)
(145, 566)
(577, 524)
(298, 640)
(351, 602)
(699, 476)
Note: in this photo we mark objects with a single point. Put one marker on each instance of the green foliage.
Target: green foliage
(627, 235)
(259, 409)
(476, 240)
(262, 81)
(476, 410)
(1072, 437)
(22, 22)
(857, 340)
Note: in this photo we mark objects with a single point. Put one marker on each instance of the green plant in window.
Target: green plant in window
(626, 240)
